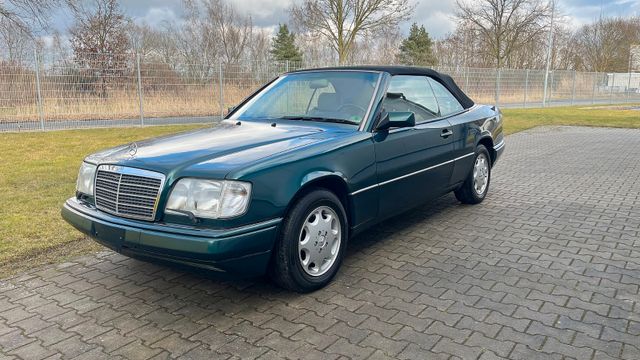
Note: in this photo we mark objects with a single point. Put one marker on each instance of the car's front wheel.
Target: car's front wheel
(476, 185)
(312, 242)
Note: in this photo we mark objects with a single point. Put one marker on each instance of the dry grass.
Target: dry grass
(189, 100)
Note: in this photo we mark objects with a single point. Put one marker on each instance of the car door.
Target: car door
(412, 164)
(463, 137)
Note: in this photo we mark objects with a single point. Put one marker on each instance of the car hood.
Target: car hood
(216, 151)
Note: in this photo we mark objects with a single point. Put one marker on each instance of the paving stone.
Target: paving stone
(498, 347)
(202, 352)
(554, 346)
(111, 340)
(32, 324)
(388, 346)
(248, 331)
(317, 339)
(345, 348)
(414, 337)
(213, 337)
(283, 346)
(175, 345)
(242, 349)
(72, 347)
(13, 340)
(52, 335)
(136, 351)
(33, 350)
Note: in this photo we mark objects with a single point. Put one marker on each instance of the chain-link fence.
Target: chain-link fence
(92, 90)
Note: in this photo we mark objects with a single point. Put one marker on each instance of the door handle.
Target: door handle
(446, 133)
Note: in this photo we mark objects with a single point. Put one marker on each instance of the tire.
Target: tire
(472, 191)
(308, 235)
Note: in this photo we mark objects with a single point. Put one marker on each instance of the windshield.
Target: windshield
(333, 96)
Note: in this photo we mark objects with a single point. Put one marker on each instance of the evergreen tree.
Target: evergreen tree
(283, 46)
(416, 49)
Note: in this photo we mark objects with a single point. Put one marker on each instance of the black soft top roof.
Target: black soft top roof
(444, 79)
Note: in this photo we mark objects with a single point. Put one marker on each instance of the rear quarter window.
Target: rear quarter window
(447, 103)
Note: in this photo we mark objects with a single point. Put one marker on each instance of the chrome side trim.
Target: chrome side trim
(410, 174)
(498, 146)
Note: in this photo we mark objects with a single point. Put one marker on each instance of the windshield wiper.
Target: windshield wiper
(319, 118)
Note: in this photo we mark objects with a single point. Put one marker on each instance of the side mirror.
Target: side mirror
(396, 119)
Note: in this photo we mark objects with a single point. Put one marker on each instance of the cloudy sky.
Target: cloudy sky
(436, 15)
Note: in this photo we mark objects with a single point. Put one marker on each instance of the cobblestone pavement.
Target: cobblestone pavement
(547, 267)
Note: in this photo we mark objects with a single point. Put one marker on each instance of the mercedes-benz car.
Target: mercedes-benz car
(293, 172)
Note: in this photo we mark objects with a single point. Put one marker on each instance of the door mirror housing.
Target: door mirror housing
(396, 119)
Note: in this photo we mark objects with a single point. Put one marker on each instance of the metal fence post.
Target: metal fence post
(573, 88)
(613, 81)
(498, 87)
(526, 88)
(466, 79)
(628, 89)
(553, 73)
(221, 90)
(544, 88)
(140, 95)
(286, 66)
(38, 92)
(593, 92)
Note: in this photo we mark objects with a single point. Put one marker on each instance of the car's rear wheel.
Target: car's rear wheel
(476, 185)
(311, 243)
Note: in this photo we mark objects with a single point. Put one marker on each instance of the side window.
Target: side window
(447, 103)
(411, 93)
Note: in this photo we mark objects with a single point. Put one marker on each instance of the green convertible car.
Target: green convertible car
(300, 166)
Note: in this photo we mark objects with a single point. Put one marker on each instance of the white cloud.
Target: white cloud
(156, 16)
(263, 8)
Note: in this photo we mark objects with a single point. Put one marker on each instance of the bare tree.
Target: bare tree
(505, 26)
(342, 22)
(99, 40)
(379, 49)
(316, 49)
(233, 30)
(27, 16)
(462, 48)
(196, 42)
(15, 45)
(260, 46)
(605, 44)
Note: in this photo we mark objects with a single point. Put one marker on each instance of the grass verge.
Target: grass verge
(605, 116)
(38, 172)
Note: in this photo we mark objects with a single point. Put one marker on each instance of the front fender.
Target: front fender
(318, 175)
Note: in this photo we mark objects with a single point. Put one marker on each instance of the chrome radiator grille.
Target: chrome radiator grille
(128, 192)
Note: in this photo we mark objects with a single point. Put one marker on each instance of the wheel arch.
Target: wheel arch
(332, 181)
(487, 141)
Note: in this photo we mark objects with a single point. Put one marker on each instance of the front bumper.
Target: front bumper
(244, 251)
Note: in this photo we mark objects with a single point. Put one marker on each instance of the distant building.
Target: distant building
(621, 82)
(634, 62)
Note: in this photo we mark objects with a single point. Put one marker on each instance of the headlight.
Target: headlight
(213, 199)
(85, 178)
